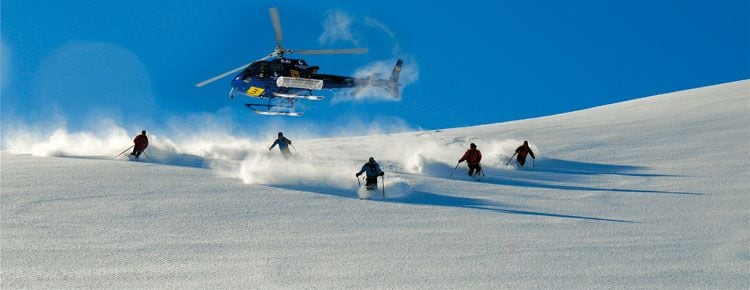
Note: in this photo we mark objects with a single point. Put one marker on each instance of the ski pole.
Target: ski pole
(454, 169)
(144, 154)
(511, 158)
(123, 151)
(383, 177)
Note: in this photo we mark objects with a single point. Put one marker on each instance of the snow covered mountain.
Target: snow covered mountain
(646, 193)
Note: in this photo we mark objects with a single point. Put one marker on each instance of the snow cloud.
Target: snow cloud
(379, 70)
(337, 27)
(59, 141)
(342, 27)
(326, 164)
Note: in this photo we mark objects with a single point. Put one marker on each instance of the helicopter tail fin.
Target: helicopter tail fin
(392, 86)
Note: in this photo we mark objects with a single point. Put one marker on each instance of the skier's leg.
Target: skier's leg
(371, 183)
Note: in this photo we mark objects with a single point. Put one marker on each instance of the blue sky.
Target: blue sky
(472, 63)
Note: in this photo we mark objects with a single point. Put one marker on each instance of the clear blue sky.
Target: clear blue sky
(136, 62)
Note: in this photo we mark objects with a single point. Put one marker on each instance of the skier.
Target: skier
(472, 157)
(522, 151)
(283, 143)
(141, 142)
(372, 171)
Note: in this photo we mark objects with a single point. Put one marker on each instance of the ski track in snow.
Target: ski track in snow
(645, 193)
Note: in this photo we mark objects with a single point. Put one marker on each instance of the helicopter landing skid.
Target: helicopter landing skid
(293, 114)
(292, 96)
(273, 110)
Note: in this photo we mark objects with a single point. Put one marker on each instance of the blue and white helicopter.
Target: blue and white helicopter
(281, 82)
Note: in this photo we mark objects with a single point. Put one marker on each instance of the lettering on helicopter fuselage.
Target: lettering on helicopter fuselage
(294, 72)
(254, 91)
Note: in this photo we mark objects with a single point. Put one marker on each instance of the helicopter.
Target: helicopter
(279, 82)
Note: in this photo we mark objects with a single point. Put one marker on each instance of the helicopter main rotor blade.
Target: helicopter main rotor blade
(275, 19)
(329, 51)
(213, 79)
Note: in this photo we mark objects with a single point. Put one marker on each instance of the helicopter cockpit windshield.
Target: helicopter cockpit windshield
(260, 70)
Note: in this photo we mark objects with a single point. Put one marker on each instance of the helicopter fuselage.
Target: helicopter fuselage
(282, 82)
(260, 79)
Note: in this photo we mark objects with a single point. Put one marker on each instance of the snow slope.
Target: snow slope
(647, 193)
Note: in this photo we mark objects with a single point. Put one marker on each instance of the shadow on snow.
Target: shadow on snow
(421, 198)
(426, 198)
(570, 171)
(560, 166)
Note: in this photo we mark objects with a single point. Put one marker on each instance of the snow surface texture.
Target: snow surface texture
(641, 194)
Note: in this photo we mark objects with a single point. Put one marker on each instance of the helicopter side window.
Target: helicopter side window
(263, 70)
(277, 69)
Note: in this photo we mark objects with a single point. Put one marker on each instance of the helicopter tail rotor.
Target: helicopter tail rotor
(392, 85)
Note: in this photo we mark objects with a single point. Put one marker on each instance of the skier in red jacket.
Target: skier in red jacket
(141, 142)
(522, 151)
(472, 157)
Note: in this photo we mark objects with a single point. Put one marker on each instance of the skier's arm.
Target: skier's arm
(145, 142)
(274, 144)
(288, 141)
(466, 155)
(362, 170)
(479, 155)
(380, 171)
(532, 153)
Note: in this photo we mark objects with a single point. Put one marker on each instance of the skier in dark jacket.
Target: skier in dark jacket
(522, 151)
(372, 171)
(140, 144)
(283, 143)
(472, 157)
